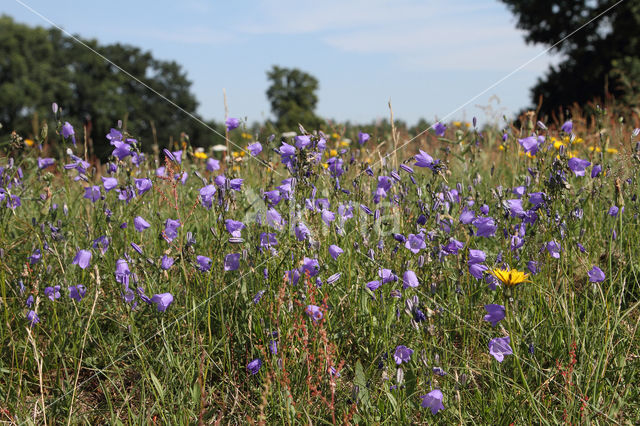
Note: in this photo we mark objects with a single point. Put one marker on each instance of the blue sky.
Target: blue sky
(428, 57)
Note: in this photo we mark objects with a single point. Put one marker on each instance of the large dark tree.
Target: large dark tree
(600, 59)
(39, 66)
(293, 98)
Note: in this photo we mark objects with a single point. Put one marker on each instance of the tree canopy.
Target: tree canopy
(600, 59)
(39, 66)
(292, 97)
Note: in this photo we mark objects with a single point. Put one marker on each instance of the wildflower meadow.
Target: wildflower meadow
(469, 274)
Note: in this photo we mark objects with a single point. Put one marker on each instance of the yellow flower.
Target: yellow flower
(501, 147)
(578, 140)
(29, 142)
(325, 165)
(612, 150)
(345, 142)
(201, 155)
(510, 277)
(556, 143)
(596, 148)
(457, 123)
(467, 124)
(333, 152)
(335, 136)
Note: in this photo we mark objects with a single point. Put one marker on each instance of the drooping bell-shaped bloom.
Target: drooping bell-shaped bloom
(43, 163)
(213, 165)
(433, 401)
(171, 229)
(335, 251)
(232, 123)
(122, 272)
(77, 292)
(206, 196)
(92, 193)
(255, 148)
(314, 312)
(52, 293)
(596, 275)
(140, 224)
(553, 248)
(109, 183)
(234, 227)
(499, 347)
(486, 226)
(439, 129)
(143, 185)
(82, 259)
(363, 138)
(415, 243)
(409, 279)
(567, 127)
(595, 170)
(578, 166)
(33, 318)
(166, 262)
(162, 301)
(496, 313)
(402, 354)
(67, 131)
(254, 366)
(425, 160)
(204, 263)
(232, 261)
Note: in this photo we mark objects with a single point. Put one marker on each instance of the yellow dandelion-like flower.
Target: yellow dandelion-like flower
(557, 144)
(29, 142)
(578, 140)
(612, 150)
(333, 152)
(457, 123)
(501, 147)
(345, 143)
(325, 165)
(595, 148)
(235, 154)
(510, 277)
(201, 155)
(335, 136)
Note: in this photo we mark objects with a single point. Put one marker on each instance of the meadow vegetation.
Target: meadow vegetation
(472, 275)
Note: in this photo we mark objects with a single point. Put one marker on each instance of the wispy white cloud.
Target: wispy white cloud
(436, 34)
(186, 35)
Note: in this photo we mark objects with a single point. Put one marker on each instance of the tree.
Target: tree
(39, 66)
(292, 97)
(600, 59)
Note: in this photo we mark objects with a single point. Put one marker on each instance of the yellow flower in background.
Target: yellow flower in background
(594, 148)
(201, 155)
(556, 143)
(612, 150)
(457, 123)
(578, 140)
(29, 142)
(335, 136)
(510, 277)
(235, 168)
(467, 124)
(345, 142)
(501, 147)
(333, 152)
(325, 165)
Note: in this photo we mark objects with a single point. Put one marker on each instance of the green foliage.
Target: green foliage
(293, 98)
(596, 59)
(100, 360)
(40, 66)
